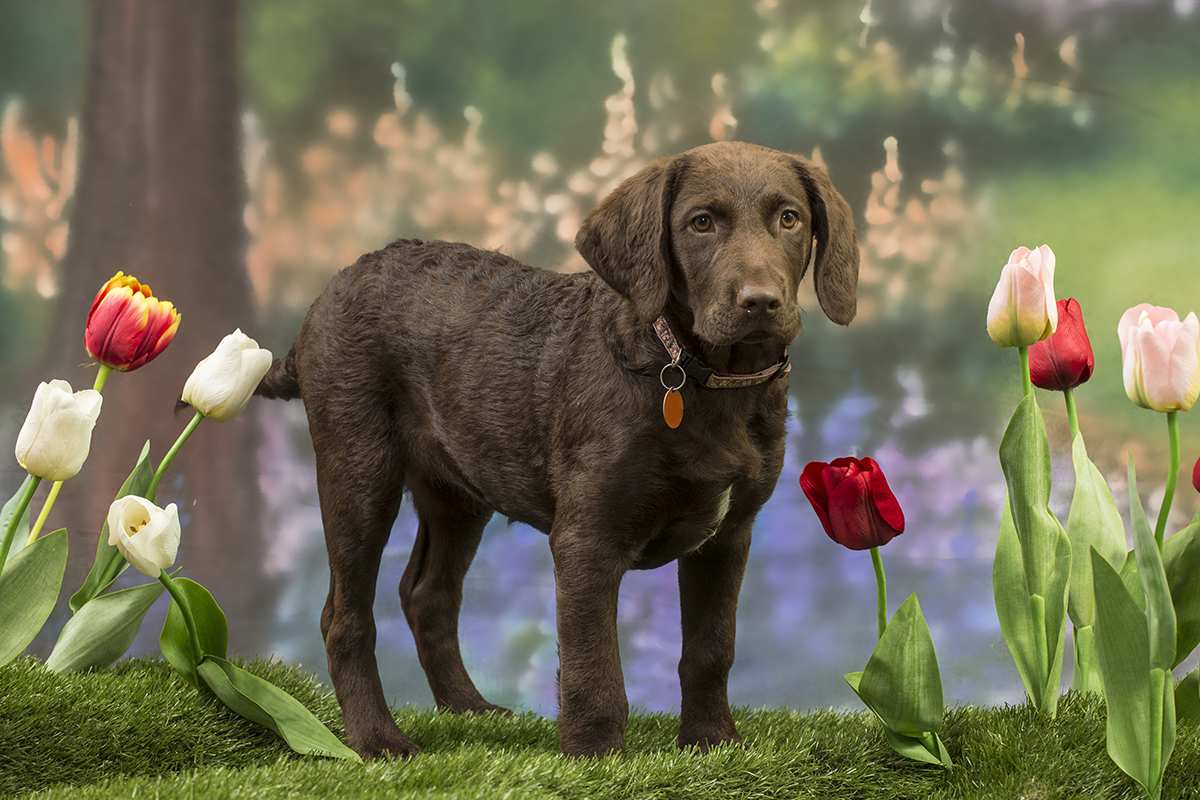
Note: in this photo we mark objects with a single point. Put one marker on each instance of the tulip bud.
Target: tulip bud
(1161, 358)
(1065, 360)
(854, 502)
(57, 434)
(148, 536)
(1196, 475)
(221, 384)
(1022, 310)
(128, 326)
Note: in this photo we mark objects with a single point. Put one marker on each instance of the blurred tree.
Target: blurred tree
(160, 194)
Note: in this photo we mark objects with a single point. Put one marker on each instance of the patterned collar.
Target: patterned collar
(695, 368)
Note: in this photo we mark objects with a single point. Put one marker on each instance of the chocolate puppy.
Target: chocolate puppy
(486, 386)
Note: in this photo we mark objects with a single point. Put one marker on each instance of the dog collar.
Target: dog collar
(692, 366)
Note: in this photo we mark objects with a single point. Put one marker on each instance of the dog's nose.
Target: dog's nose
(757, 299)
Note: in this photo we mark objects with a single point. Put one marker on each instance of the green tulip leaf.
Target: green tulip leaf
(109, 562)
(1187, 698)
(265, 704)
(901, 682)
(1045, 556)
(1086, 677)
(29, 589)
(1181, 558)
(1160, 611)
(1013, 606)
(1140, 700)
(1094, 521)
(927, 747)
(176, 644)
(1133, 580)
(21, 532)
(103, 629)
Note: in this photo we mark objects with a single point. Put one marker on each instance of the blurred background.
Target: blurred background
(236, 156)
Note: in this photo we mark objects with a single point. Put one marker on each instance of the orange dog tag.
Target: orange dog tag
(673, 409)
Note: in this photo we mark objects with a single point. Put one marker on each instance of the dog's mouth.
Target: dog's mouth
(723, 329)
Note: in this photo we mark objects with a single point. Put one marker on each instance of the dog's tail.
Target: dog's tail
(280, 382)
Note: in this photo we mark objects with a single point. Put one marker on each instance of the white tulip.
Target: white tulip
(148, 536)
(221, 385)
(57, 434)
(1023, 310)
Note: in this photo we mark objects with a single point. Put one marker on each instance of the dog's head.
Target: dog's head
(726, 231)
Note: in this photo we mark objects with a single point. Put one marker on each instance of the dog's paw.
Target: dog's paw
(384, 744)
(476, 708)
(704, 739)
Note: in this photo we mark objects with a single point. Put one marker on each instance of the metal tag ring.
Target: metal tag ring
(662, 377)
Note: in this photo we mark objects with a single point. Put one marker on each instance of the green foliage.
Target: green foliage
(252, 697)
(109, 562)
(29, 588)
(1181, 559)
(1094, 521)
(211, 627)
(903, 686)
(1033, 560)
(103, 629)
(1137, 651)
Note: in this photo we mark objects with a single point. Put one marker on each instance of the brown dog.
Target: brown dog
(486, 386)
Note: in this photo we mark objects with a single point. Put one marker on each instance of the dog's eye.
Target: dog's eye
(789, 219)
(702, 223)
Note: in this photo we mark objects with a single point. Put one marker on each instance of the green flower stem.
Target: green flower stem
(1072, 412)
(170, 456)
(880, 590)
(102, 377)
(98, 384)
(1026, 378)
(28, 488)
(1164, 513)
(55, 488)
(185, 610)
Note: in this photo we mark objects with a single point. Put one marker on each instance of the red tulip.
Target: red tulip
(128, 326)
(1064, 360)
(854, 502)
(1196, 476)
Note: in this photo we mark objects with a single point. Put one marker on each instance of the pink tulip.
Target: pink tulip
(1023, 311)
(1161, 357)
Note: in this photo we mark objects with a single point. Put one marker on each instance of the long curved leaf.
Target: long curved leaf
(103, 629)
(264, 703)
(1181, 558)
(213, 630)
(29, 589)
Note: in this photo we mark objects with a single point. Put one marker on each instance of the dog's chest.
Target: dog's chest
(686, 529)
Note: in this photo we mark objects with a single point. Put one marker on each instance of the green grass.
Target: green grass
(139, 731)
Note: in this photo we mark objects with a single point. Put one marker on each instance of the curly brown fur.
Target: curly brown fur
(487, 386)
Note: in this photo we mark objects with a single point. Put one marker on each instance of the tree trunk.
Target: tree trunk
(161, 195)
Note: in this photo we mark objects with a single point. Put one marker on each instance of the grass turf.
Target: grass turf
(139, 731)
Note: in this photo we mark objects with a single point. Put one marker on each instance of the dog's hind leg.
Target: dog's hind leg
(448, 534)
(360, 483)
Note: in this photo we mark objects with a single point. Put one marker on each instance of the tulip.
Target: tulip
(1162, 358)
(222, 383)
(1162, 373)
(1065, 360)
(128, 326)
(858, 510)
(854, 502)
(57, 434)
(1022, 310)
(148, 536)
(1196, 475)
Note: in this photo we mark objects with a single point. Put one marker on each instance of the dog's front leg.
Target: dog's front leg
(593, 709)
(709, 582)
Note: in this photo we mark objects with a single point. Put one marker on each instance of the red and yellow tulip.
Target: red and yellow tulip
(128, 326)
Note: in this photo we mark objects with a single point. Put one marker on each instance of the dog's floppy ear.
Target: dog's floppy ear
(836, 262)
(627, 238)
